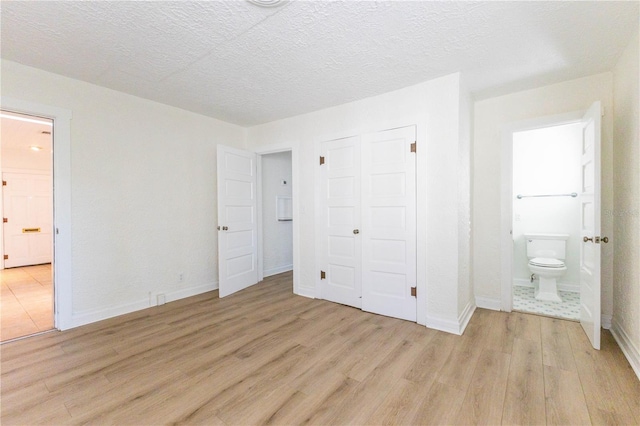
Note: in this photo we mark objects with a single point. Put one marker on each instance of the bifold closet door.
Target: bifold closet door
(389, 223)
(340, 215)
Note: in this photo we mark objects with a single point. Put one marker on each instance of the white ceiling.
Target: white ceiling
(248, 65)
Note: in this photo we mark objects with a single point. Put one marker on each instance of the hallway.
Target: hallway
(26, 302)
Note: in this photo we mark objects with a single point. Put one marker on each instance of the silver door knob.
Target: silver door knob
(605, 239)
(225, 228)
(356, 231)
(587, 239)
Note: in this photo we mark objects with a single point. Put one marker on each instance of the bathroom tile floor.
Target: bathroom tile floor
(524, 301)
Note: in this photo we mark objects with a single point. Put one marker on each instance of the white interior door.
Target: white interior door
(590, 226)
(28, 209)
(389, 223)
(340, 217)
(237, 222)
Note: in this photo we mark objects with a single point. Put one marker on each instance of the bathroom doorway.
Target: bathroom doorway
(546, 220)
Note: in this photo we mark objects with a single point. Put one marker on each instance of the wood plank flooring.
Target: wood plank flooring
(266, 356)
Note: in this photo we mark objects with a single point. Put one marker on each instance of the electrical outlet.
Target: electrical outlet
(181, 277)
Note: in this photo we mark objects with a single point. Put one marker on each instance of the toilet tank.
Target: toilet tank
(546, 245)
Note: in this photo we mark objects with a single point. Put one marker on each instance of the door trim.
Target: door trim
(506, 189)
(62, 263)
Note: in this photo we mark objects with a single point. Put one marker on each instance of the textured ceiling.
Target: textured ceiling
(248, 65)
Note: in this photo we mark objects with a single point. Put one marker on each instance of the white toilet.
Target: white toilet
(546, 253)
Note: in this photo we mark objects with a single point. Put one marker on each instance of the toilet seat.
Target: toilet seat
(546, 262)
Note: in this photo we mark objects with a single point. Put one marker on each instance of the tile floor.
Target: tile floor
(26, 301)
(524, 301)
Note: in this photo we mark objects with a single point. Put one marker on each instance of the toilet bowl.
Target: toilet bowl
(546, 253)
(547, 270)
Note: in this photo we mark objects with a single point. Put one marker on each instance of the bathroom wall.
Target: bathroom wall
(277, 236)
(547, 161)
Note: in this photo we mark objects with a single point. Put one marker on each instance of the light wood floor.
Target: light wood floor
(26, 301)
(265, 356)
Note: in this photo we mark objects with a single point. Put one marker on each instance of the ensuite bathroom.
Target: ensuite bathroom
(546, 221)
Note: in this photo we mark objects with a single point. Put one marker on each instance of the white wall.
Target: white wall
(490, 118)
(143, 193)
(547, 161)
(626, 212)
(14, 158)
(433, 106)
(277, 235)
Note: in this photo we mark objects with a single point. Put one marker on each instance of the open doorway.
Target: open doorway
(276, 218)
(27, 302)
(546, 220)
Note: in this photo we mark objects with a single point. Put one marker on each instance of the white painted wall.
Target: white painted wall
(143, 193)
(626, 211)
(490, 118)
(277, 235)
(435, 107)
(547, 161)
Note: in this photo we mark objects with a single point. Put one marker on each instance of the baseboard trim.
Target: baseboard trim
(453, 326)
(306, 292)
(605, 321)
(488, 303)
(87, 317)
(278, 270)
(628, 348)
(466, 314)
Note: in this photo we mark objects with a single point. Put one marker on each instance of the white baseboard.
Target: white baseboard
(488, 303)
(306, 292)
(466, 314)
(573, 288)
(629, 350)
(453, 326)
(87, 317)
(278, 270)
(605, 321)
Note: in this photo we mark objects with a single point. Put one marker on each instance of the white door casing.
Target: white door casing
(237, 220)
(389, 223)
(590, 226)
(28, 208)
(340, 246)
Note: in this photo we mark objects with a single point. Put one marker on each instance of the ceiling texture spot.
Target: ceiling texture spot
(248, 65)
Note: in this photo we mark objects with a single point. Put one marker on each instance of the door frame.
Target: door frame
(506, 191)
(274, 149)
(62, 261)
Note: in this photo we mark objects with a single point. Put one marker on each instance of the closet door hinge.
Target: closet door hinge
(413, 147)
(4, 183)
(323, 275)
(414, 292)
(321, 160)
(6, 256)
(5, 220)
